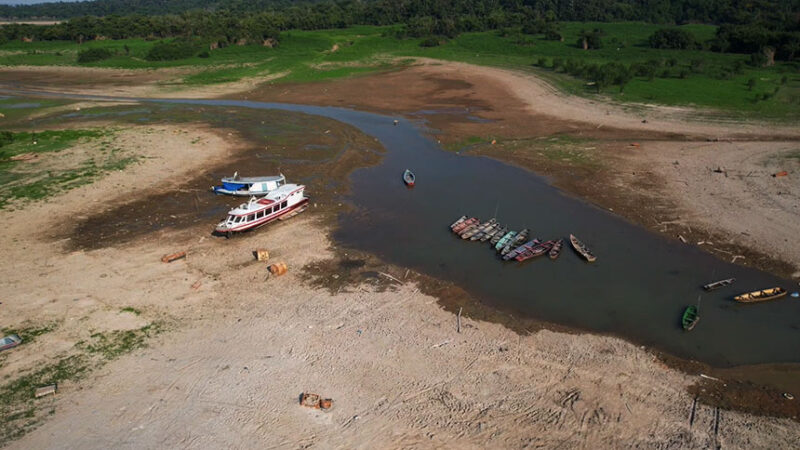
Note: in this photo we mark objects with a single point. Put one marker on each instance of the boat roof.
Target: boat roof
(276, 196)
(251, 180)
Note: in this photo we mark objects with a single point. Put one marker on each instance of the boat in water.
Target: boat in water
(690, 317)
(472, 221)
(518, 240)
(719, 284)
(458, 222)
(581, 248)
(520, 249)
(497, 236)
(249, 186)
(534, 251)
(555, 250)
(409, 178)
(761, 296)
(286, 200)
(492, 232)
(505, 239)
(478, 229)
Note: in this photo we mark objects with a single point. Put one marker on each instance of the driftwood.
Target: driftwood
(391, 277)
(458, 320)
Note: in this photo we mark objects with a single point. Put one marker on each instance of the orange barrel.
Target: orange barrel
(278, 268)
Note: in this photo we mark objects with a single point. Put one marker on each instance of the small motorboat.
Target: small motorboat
(505, 239)
(249, 186)
(556, 249)
(690, 317)
(521, 249)
(761, 296)
(719, 284)
(518, 240)
(534, 251)
(581, 248)
(283, 202)
(478, 229)
(465, 224)
(408, 178)
(497, 236)
(458, 222)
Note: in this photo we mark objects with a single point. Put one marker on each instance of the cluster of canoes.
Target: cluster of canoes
(691, 315)
(514, 245)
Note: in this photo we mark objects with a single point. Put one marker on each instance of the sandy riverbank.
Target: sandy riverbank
(237, 348)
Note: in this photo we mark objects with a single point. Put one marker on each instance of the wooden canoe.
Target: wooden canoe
(556, 249)
(761, 296)
(497, 236)
(458, 222)
(690, 317)
(719, 284)
(508, 237)
(518, 240)
(465, 224)
(534, 251)
(409, 178)
(581, 248)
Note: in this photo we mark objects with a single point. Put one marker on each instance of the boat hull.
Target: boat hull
(761, 296)
(302, 204)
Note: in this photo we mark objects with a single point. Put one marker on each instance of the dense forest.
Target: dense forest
(771, 27)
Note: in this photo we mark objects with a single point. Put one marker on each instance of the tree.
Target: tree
(590, 39)
(672, 38)
(751, 83)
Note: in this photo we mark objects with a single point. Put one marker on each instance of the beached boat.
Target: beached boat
(285, 200)
(249, 186)
(465, 224)
(505, 239)
(761, 296)
(690, 317)
(458, 222)
(534, 251)
(581, 248)
(556, 249)
(478, 229)
(719, 284)
(518, 240)
(520, 249)
(497, 236)
(409, 178)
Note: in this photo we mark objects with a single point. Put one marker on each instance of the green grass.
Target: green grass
(29, 333)
(24, 180)
(306, 56)
(113, 344)
(132, 310)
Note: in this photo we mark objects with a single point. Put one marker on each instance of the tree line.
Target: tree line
(747, 26)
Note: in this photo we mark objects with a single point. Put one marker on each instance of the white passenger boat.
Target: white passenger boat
(287, 199)
(237, 185)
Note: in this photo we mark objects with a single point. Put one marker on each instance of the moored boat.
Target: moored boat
(478, 229)
(555, 250)
(505, 239)
(409, 178)
(534, 251)
(285, 200)
(719, 284)
(690, 317)
(520, 249)
(491, 233)
(465, 224)
(518, 240)
(458, 222)
(761, 296)
(581, 248)
(497, 236)
(484, 233)
(249, 186)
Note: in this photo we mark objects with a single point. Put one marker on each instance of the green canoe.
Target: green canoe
(690, 318)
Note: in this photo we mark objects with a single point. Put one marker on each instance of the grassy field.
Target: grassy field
(684, 77)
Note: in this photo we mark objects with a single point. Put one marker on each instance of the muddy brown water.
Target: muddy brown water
(637, 289)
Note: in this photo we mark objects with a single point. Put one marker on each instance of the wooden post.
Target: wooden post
(458, 320)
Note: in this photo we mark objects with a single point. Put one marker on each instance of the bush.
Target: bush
(6, 137)
(94, 54)
(204, 54)
(672, 38)
(431, 41)
(171, 51)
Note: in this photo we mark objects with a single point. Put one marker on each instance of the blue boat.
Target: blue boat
(247, 186)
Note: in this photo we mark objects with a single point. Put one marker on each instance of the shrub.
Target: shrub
(94, 54)
(171, 50)
(431, 41)
(204, 54)
(672, 38)
(6, 137)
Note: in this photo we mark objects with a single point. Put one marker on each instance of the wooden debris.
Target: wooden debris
(24, 157)
(173, 257)
(391, 277)
(310, 400)
(458, 320)
(782, 173)
(196, 285)
(683, 239)
(262, 254)
(45, 390)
